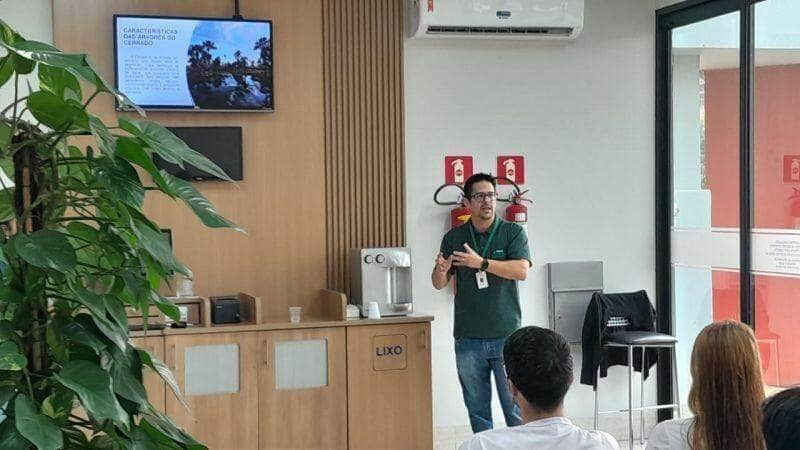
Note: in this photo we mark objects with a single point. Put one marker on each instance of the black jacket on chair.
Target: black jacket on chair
(633, 306)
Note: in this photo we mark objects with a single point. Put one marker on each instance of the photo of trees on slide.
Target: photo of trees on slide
(230, 65)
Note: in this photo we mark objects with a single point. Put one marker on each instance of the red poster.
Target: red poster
(430, 5)
(791, 168)
(511, 167)
(457, 169)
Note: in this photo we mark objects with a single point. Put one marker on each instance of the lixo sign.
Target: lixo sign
(386, 351)
(389, 352)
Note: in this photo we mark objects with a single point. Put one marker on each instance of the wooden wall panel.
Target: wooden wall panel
(365, 161)
(281, 202)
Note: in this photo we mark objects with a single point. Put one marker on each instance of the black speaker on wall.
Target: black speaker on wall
(222, 145)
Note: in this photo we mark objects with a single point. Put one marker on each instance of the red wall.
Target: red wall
(777, 133)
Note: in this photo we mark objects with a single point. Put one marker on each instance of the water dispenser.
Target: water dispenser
(381, 275)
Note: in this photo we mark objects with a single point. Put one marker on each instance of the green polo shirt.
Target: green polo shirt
(492, 312)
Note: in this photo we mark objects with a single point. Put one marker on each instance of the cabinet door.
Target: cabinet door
(217, 374)
(155, 386)
(389, 386)
(303, 389)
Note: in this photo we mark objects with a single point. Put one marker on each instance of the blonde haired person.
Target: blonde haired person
(725, 397)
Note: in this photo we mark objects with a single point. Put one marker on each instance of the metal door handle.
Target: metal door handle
(423, 341)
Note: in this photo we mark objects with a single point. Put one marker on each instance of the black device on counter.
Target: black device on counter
(226, 310)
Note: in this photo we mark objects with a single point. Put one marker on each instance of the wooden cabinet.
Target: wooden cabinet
(153, 384)
(360, 386)
(302, 389)
(389, 386)
(218, 374)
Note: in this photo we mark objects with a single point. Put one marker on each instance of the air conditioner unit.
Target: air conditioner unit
(505, 19)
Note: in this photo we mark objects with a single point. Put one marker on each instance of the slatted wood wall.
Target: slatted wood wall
(364, 156)
(281, 201)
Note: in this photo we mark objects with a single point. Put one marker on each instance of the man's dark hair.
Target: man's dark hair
(781, 423)
(539, 364)
(478, 177)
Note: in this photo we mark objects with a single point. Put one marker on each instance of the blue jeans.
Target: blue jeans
(476, 359)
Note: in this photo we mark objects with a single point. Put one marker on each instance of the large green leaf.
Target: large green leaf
(156, 244)
(115, 332)
(76, 64)
(131, 150)
(6, 394)
(5, 136)
(60, 82)
(102, 135)
(136, 289)
(126, 384)
(168, 308)
(6, 68)
(163, 371)
(202, 208)
(121, 181)
(23, 66)
(9, 294)
(94, 387)
(46, 249)
(10, 358)
(165, 425)
(169, 146)
(84, 333)
(59, 404)
(41, 430)
(58, 114)
(147, 437)
(116, 310)
(83, 231)
(6, 204)
(10, 439)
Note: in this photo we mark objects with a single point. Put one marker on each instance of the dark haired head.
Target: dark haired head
(781, 423)
(539, 363)
(475, 179)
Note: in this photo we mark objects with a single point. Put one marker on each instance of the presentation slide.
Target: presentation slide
(204, 64)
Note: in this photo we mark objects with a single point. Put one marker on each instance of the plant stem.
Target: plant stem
(30, 386)
(13, 105)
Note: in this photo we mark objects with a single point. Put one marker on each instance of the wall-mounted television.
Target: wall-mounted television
(194, 64)
(222, 145)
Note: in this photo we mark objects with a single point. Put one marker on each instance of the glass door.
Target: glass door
(776, 186)
(704, 225)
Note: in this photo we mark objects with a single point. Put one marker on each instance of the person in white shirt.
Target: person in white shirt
(725, 397)
(539, 370)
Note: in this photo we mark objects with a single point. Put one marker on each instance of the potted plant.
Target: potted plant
(75, 252)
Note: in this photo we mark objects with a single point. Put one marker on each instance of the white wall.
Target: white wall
(33, 19)
(582, 115)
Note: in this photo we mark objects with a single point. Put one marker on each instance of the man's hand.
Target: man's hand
(469, 258)
(441, 272)
(443, 265)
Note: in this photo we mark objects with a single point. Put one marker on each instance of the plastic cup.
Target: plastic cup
(294, 313)
(374, 311)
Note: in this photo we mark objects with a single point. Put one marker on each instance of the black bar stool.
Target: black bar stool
(644, 340)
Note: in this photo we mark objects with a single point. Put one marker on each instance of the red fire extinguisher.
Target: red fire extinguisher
(459, 216)
(517, 211)
(461, 213)
(794, 209)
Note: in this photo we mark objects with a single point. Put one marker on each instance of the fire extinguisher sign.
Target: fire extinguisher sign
(791, 168)
(457, 169)
(511, 167)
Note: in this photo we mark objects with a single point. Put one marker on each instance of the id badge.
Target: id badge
(483, 281)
